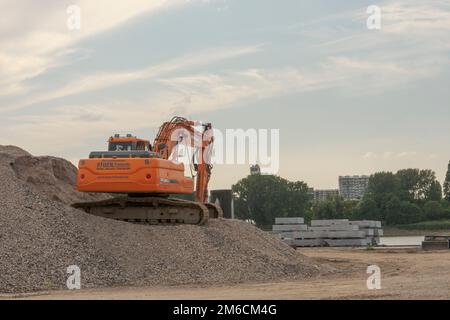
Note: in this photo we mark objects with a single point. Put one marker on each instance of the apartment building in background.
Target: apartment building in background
(255, 169)
(325, 194)
(353, 187)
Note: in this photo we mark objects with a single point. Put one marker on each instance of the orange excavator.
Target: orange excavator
(149, 177)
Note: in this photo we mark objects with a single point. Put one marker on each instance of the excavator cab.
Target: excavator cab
(128, 143)
(127, 146)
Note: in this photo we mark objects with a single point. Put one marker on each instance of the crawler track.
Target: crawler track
(152, 210)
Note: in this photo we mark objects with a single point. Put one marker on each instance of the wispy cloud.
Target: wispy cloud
(102, 80)
(412, 44)
(387, 155)
(358, 60)
(34, 36)
(184, 95)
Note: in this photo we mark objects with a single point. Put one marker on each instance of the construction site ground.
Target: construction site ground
(406, 273)
(42, 235)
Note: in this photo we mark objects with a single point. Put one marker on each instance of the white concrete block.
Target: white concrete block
(319, 223)
(286, 235)
(372, 232)
(369, 232)
(367, 223)
(328, 234)
(336, 227)
(347, 242)
(289, 227)
(289, 220)
(309, 242)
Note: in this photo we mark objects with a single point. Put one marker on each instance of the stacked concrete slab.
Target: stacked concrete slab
(334, 233)
(286, 227)
(371, 228)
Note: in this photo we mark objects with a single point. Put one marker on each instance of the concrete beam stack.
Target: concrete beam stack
(331, 232)
(372, 229)
(328, 223)
(285, 227)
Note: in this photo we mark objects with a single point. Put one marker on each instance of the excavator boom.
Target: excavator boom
(176, 132)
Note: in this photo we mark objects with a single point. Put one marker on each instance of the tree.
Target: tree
(409, 180)
(433, 210)
(264, 197)
(447, 184)
(297, 200)
(435, 192)
(428, 185)
(383, 182)
(445, 203)
(333, 208)
(421, 185)
(323, 210)
(350, 208)
(401, 198)
(402, 212)
(392, 214)
(368, 209)
(410, 213)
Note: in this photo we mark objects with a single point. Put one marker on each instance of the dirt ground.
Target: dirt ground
(405, 274)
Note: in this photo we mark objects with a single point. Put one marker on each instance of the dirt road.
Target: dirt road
(406, 274)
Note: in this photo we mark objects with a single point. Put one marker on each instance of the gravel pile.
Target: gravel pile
(51, 177)
(41, 235)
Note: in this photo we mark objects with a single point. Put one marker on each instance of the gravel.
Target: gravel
(51, 177)
(41, 235)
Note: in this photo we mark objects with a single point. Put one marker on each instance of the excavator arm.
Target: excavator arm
(180, 130)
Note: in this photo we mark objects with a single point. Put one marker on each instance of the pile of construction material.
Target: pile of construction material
(333, 233)
(436, 243)
(41, 235)
(286, 227)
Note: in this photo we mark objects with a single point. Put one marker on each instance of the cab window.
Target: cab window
(120, 146)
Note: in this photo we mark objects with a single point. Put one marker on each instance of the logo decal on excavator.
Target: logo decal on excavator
(113, 165)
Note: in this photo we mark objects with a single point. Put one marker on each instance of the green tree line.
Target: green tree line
(405, 197)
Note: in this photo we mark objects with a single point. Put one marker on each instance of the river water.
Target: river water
(402, 241)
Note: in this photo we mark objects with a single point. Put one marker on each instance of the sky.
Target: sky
(346, 99)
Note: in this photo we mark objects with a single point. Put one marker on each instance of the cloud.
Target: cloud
(369, 155)
(73, 127)
(406, 154)
(34, 36)
(416, 17)
(386, 155)
(406, 49)
(102, 80)
(362, 62)
(185, 95)
(413, 44)
(232, 88)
